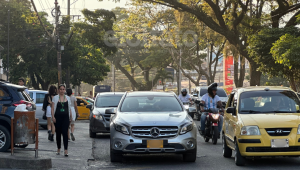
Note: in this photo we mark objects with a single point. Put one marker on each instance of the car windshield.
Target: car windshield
(108, 101)
(268, 102)
(151, 104)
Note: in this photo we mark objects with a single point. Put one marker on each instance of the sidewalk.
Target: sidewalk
(80, 151)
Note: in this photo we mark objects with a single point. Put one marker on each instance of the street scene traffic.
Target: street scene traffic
(149, 84)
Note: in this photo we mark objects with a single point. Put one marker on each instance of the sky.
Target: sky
(76, 6)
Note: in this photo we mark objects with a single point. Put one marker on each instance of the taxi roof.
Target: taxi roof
(149, 93)
(260, 88)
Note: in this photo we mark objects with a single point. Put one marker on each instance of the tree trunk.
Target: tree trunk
(242, 71)
(292, 83)
(236, 72)
(35, 85)
(132, 74)
(254, 74)
(124, 71)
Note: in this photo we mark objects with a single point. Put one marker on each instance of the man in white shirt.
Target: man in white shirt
(22, 83)
(184, 97)
(211, 100)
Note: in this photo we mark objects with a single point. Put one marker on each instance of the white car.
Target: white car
(38, 98)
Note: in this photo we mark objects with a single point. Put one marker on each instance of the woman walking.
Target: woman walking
(47, 108)
(74, 110)
(61, 115)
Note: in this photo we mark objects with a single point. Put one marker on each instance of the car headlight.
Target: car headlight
(250, 130)
(186, 128)
(98, 116)
(121, 128)
(298, 132)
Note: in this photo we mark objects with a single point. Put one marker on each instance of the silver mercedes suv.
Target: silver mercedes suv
(151, 122)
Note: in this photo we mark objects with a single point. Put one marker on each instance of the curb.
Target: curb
(25, 163)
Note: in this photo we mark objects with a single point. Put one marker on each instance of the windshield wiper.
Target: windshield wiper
(277, 111)
(251, 111)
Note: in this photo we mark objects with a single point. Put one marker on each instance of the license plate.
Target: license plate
(155, 143)
(279, 143)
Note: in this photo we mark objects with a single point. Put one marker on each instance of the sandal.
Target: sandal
(66, 154)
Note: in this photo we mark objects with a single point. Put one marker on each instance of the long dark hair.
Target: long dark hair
(69, 92)
(52, 90)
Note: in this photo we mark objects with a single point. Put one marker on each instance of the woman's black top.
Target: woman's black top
(46, 102)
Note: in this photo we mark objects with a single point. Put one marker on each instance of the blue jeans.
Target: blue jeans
(203, 119)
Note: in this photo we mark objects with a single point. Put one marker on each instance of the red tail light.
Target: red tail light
(22, 102)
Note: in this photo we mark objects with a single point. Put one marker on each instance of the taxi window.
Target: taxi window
(268, 102)
(40, 97)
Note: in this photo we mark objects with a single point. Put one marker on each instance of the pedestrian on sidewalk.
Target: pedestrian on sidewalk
(61, 115)
(75, 114)
(47, 108)
(22, 83)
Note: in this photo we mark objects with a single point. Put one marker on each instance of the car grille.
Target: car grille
(268, 149)
(106, 117)
(278, 131)
(164, 131)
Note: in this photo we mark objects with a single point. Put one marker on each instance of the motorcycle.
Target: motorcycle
(211, 124)
(189, 108)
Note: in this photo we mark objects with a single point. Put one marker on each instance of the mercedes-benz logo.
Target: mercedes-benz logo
(154, 132)
(278, 131)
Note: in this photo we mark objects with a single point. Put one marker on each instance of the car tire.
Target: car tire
(115, 157)
(4, 137)
(190, 157)
(215, 135)
(238, 158)
(227, 152)
(44, 127)
(92, 134)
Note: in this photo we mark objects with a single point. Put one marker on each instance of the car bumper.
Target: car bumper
(139, 145)
(261, 145)
(99, 126)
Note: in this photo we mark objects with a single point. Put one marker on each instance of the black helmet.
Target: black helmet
(211, 88)
(184, 92)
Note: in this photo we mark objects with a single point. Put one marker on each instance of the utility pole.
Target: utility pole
(58, 43)
(68, 72)
(179, 73)
(208, 61)
(8, 21)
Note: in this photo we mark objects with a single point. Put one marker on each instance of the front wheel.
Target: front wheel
(190, 157)
(227, 152)
(238, 158)
(4, 139)
(215, 135)
(115, 157)
(92, 134)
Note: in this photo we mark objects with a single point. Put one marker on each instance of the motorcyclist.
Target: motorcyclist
(210, 100)
(184, 97)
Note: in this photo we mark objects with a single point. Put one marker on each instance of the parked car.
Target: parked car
(261, 121)
(202, 90)
(91, 101)
(38, 98)
(149, 123)
(99, 121)
(11, 96)
(83, 108)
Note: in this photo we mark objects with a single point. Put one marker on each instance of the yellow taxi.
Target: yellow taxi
(83, 111)
(261, 121)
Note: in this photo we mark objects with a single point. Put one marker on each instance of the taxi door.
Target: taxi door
(84, 113)
(229, 123)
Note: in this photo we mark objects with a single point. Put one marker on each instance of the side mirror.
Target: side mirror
(297, 107)
(231, 110)
(81, 104)
(110, 111)
(89, 106)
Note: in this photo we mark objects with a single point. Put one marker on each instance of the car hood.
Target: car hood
(153, 119)
(101, 110)
(224, 99)
(271, 120)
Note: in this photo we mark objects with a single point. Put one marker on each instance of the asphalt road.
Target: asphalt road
(209, 156)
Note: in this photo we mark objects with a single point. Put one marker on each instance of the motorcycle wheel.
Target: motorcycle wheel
(215, 135)
(198, 116)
